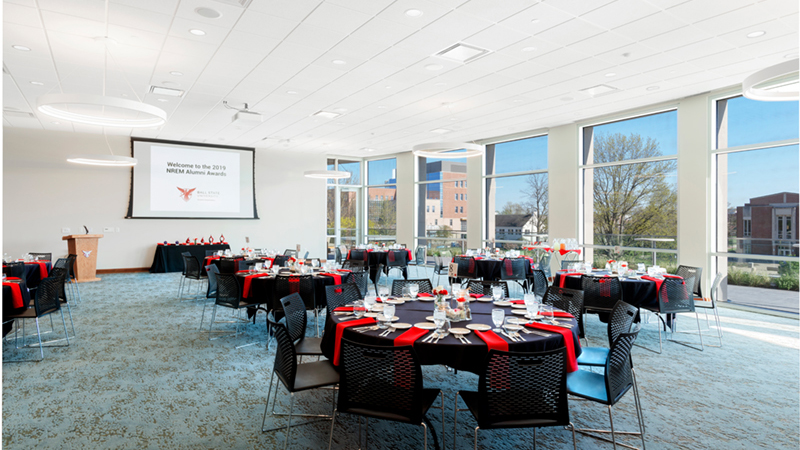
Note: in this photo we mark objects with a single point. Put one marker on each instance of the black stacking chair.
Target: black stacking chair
(229, 295)
(519, 390)
(193, 274)
(211, 273)
(358, 254)
(674, 297)
(544, 265)
(227, 265)
(397, 259)
(337, 258)
(42, 256)
(15, 269)
(538, 282)
(377, 280)
(694, 273)
(286, 284)
(620, 321)
(609, 387)
(295, 378)
(420, 258)
(45, 303)
(296, 320)
(600, 294)
(484, 287)
(384, 383)
(290, 252)
(516, 270)
(424, 285)
(565, 264)
(568, 300)
(71, 278)
(59, 271)
(440, 267)
(360, 279)
(336, 296)
(280, 261)
(467, 269)
(355, 265)
(711, 303)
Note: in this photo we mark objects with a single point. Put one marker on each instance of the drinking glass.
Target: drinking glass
(531, 305)
(413, 290)
(497, 293)
(315, 263)
(359, 309)
(439, 318)
(406, 293)
(547, 314)
(386, 317)
(497, 318)
(369, 301)
(383, 292)
(640, 267)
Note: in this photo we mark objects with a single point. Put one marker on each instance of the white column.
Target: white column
(406, 215)
(562, 157)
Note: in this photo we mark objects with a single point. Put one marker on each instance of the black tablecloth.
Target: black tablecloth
(8, 304)
(263, 289)
(449, 351)
(32, 274)
(639, 293)
(168, 257)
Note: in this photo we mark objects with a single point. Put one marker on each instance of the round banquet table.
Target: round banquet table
(33, 274)
(489, 269)
(263, 288)
(375, 257)
(638, 293)
(8, 302)
(449, 350)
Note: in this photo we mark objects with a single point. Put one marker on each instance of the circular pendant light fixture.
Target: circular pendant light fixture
(101, 110)
(103, 160)
(775, 83)
(326, 174)
(448, 150)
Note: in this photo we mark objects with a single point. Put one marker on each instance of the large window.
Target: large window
(344, 204)
(442, 204)
(630, 190)
(516, 192)
(756, 162)
(382, 201)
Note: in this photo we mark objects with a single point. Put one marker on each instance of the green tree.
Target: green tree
(444, 231)
(632, 199)
(514, 208)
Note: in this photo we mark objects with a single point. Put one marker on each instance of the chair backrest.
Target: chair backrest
(227, 265)
(42, 256)
(484, 287)
(290, 252)
(695, 274)
(15, 269)
(423, 283)
(210, 252)
(618, 375)
(360, 279)
(539, 279)
(466, 267)
(622, 317)
(61, 263)
(397, 258)
(285, 355)
(420, 255)
(301, 284)
(71, 265)
(568, 300)
(358, 254)
(674, 296)
(355, 265)
(228, 290)
(715, 289)
(600, 292)
(337, 258)
(212, 271)
(60, 273)
(514, 269)
(336, 296)
(565, 263)
(280, 261)
(296, 317)
(439, 265)
(46, 300)
(524, 387)
(306, 255)
(382, 379)
(191, 266)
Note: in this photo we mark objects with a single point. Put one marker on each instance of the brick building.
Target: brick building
(768, 225)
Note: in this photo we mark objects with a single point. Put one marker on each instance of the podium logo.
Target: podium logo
(186, 194)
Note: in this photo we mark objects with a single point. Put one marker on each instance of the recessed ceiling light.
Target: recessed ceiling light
(566, 99)
(163, 100)
(462, 53)
(326, 114)
(208, 13)
(598, 90)
(440, 130)
(175, 73)
(291, 92)
(339, 62)
(388, 87)
(453, 119)
(756, 34)
(124, 95)
(367, 149)
(381, 106)
(413, 12)
(21, 48)
(529, 49)
(434, 67)
(534, 20)
(197, 32)
(653, 88)
(37, 83)
(611, 74)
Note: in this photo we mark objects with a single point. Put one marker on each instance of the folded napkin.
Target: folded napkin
(492, 340)
(345, 270)
(562, 314)
(475, 295)
(344, 309)
(517, 302)
(246, 288)
(409, 337)
(562, 277)
(337, 279)
(569, 342)
(424, 294)
(337, 350)
(13, 279)
(16, 294)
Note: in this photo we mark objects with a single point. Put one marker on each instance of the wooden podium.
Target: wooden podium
(85, 246)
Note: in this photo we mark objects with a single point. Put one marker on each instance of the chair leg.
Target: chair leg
(39, 335)
(424, 435)
(333, 423)
(289, 422)
(69, 311)
(611, 420)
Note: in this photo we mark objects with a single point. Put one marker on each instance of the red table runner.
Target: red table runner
(572, 361)
(247, 279)
(337, 350)
(16, 294)
(42, 268)
(492, 340)
(409, 337)
(337, 279)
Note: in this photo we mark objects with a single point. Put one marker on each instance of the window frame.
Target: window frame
(366, 187)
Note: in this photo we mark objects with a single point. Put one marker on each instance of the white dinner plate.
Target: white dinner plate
(521, 312)
(395, 302)
(429, 318)
(402, 325)
(459, 331)
(512, 327)
(371, 314)
(484, 299)
(394, 319)
(518, 321)
(479, 327)
(425, 325)
(502, 303)
(426, 299)
(518, 305)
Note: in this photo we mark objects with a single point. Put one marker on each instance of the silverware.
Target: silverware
(430, 336)
(511, 338)
(540, 333)
(365, 329)
(388, 331)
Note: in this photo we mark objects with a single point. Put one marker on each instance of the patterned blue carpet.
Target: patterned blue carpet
(141, 375)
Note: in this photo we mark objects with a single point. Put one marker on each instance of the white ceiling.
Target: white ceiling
(542, 54)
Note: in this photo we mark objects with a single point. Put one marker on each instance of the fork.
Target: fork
(388, 331)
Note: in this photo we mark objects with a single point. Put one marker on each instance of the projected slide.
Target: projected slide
(177, 180)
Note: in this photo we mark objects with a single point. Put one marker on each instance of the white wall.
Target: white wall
(42, 194)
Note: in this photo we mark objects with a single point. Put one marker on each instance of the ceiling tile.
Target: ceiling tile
(295, 10)
(90, 10)
(431, 11)
(734, 20)
(537, 18)
(214, 35)
(265, 25)
(494, 10)
(159, 6)
(570, 32)
(21, 15)
(696, 11)
(137, 18)
(579, 7)
(229, 13)
(650, 26)
(774, 28)
(496, 38)
(676, 38)
(315, 37)
(618, 13)
(370, 7)
(601, 43)
(68, 24)
(336, 18)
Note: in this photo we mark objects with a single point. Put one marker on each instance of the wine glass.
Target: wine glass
(497, 293)
(439, 317)
(497, 318)
(413, 290)
(359, 309)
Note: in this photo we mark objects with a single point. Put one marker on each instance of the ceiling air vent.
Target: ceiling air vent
(239, 3)
(160, 90)
(20, 114)
(462, 53)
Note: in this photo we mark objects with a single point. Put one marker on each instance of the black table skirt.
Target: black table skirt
(168, 257)
(449, 351)
(639, 293)
(8, 304)
(262, 289)
(32, 274)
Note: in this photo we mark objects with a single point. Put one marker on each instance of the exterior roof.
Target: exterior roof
(512, 220)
